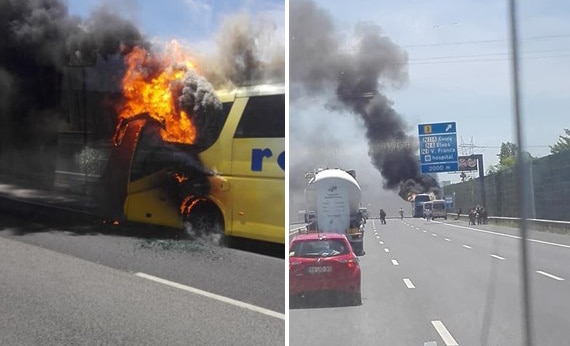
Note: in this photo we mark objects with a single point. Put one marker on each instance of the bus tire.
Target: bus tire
(205, 221)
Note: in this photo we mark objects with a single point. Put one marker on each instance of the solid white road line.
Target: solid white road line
(498, 257)
(507, 235)
(550, 275)
(444, 333)
(394, 262)
(409, 283)
(386, 250)
(217, 297)
(466, 246)
(447, 239)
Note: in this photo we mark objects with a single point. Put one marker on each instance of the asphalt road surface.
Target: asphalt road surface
(433, 283)
(109, 285)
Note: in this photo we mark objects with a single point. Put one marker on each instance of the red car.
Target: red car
(321, 264)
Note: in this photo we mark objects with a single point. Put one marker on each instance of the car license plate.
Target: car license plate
(318, 270)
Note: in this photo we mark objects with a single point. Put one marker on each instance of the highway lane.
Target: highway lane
(389, 314)
(464, 282)
(247, 278)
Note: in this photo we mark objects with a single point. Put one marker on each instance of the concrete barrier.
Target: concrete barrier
(554, 226)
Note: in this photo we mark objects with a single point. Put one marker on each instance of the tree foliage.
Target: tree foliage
(563, 143)
(507, 157)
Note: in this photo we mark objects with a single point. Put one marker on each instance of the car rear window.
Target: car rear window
(319, 248)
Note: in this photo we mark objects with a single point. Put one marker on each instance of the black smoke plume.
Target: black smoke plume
(358, 76)
(39, 40)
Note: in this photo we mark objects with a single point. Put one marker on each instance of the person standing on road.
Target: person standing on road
(401, 213)
(382, 216)
(428, 214)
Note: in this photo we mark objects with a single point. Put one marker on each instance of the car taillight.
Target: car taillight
(350, 263)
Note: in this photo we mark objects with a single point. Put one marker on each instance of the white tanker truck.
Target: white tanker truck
(334, 196)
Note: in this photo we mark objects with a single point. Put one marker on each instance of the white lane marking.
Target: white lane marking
(550, 275)
(217, 297)
(444, 333)
(381, 242)
(508, 235)
(435, 235)
(447, 239)
(409, 283)
(394, 262)
(386, 250)
(418, 228)
(498, 257)
(373, 224)
(466, 246)
(377, 237)
(425, 231)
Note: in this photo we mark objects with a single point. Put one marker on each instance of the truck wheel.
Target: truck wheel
(205, 221)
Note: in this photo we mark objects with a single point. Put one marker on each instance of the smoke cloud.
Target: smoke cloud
(39, 40)
(248, 52)
(358, 77)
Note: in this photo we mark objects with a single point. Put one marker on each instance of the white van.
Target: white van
(439, 209)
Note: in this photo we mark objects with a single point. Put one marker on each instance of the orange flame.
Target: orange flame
(180, 177)
(188, 203)
(152, 84)
(411, 197)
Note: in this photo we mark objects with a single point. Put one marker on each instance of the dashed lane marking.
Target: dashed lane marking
(550, 275)
(409, 283)
(444, 333)
(497, 257)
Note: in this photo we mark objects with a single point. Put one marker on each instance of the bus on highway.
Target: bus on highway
(232, 183)
(418, 204)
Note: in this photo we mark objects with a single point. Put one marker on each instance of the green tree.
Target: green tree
(563, 143)
(507, 155)
(507, 158)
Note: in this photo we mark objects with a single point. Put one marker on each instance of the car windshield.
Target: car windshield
(319, 248)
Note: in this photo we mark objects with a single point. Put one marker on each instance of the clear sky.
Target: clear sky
(458, 70)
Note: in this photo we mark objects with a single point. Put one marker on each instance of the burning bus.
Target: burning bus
(189, 157)
(418, 201)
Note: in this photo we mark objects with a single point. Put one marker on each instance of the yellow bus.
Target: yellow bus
(233, 182)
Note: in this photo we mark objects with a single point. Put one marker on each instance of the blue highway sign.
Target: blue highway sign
(438, 147)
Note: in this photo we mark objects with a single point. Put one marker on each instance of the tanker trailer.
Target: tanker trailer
(334, 196)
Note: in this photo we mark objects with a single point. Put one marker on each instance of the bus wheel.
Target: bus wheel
(205, 221)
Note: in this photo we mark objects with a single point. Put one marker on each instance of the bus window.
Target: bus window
(263, 117)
